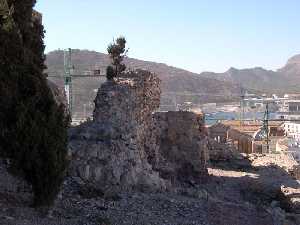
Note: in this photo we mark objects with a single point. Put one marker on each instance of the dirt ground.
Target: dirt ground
(244, 191)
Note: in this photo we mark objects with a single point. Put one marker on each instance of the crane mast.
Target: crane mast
(68, 78)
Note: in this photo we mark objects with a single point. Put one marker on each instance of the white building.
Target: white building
(290, 110)
(292, 129)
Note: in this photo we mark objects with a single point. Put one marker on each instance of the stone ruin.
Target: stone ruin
(181, 150)
(129, 146)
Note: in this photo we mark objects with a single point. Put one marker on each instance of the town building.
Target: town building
(290, 110)
(292, 129)
(247, 137)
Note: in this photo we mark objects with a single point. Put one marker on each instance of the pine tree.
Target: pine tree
(33, 128)
(117, 52)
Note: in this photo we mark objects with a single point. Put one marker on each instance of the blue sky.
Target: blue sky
(197, 35)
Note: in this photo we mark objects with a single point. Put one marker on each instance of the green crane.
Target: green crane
(68, 78)
(265, 126)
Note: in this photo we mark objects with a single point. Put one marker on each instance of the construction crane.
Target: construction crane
(68, 67)
(265, 126)
(69, 76)
(242, 108)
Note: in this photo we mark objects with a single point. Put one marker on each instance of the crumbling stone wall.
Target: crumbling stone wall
(127, 146)
(219, 151)
(128, 105)
(219, 147)
(181, 152)
(108, 152)
(218, 132)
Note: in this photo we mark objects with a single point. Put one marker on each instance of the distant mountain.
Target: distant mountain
(173, 79)
(260, 80)
(291, 71)
(177, 83)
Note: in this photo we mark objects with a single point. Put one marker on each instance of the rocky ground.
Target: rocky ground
(250, 190)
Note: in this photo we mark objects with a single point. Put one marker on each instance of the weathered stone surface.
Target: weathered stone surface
(181, 151)
(109, 151)
(220, 151)
(290, 199)
(219, 148)
(127, 146)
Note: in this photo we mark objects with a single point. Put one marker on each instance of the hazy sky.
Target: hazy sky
(198, 35)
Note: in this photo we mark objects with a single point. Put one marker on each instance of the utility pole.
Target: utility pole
(68, 78)
(242, 109)
(266, 126)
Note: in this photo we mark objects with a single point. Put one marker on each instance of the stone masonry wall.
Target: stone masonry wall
(127, 146)
(128, 105)
(108, 152)
(181, 152)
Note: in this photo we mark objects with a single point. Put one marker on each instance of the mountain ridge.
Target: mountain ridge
(180, 84)
(173, 79)
(280, 81)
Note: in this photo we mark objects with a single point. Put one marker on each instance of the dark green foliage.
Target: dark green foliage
(33, 128)
(117, 51)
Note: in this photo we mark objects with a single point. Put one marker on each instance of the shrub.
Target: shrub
(117, 52)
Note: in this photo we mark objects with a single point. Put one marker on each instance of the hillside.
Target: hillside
(292, 69)
(178, 85)
(174, 79)
(186, 86)
(284, 80)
